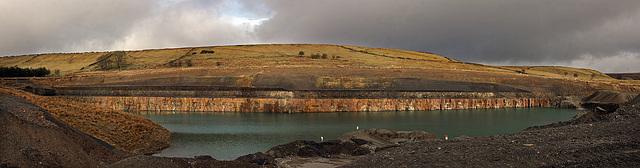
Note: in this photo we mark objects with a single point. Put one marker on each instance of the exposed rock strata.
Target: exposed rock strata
(302, 105)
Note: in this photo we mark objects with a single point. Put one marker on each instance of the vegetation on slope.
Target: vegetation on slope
(23, 72)
(125, 131)
(278, 55)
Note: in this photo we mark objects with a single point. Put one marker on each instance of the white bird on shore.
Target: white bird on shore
(357, 127)
(321, 139)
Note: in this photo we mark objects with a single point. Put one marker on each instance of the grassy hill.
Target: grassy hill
(625, 76)
(280, 55)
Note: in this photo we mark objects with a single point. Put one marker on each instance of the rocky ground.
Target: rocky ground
(610, 140)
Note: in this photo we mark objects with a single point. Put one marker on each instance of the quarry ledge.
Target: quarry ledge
(300, 105)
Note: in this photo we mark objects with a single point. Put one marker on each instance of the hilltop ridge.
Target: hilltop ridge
(279, 55)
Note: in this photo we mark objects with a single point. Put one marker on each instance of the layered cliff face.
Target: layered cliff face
(302, 105)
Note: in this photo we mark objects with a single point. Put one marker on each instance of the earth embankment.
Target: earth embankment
(32, 137)
(125, 131)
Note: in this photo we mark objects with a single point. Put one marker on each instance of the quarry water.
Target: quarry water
(227, 135)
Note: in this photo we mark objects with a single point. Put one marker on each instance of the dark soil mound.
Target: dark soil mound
(635, 101)
(609, 97)
(380, 138)
(32, 137)
(162, 162)
(310, 149)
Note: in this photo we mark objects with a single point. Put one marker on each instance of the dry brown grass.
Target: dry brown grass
(283, 55)
(125, 131)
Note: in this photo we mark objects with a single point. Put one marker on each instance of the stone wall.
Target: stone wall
(302, 105)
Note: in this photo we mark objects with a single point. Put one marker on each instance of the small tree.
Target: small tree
(575, 75)
(566, 73)
(104, 62)
(113, 60)
(301, 53)
(120, 59)
(324, 56)
(315, 56)
(56, 72)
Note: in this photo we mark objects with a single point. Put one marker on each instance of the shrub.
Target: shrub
(206, 52)
(318, 56)
(301, 53)
(16, 71)
(56, 72)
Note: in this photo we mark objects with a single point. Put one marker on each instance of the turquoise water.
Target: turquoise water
(229, 135)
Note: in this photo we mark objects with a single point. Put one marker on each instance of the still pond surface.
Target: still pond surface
(228, 135)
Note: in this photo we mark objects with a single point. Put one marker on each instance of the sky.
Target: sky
(594, 34)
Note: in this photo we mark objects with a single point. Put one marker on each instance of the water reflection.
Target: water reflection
(229, 135)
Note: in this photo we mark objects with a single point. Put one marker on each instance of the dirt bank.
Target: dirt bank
(31, 137)
(125, 131)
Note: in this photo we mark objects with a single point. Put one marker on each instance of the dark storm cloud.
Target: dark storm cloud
(34, 26)
(493, 31)
(598, 34)
(30, 26)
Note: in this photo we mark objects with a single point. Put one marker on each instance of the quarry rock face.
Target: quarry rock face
(303, 105)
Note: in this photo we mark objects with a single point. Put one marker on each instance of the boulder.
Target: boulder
(568, 102)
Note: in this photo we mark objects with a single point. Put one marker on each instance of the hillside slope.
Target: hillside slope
(279, 55)
(32, 137)
(125, 131)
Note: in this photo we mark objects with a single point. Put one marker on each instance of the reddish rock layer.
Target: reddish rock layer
(303, 105)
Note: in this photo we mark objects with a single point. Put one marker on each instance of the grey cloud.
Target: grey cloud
(566, 32)
(469, 30)
(188, 23)
(32, 26)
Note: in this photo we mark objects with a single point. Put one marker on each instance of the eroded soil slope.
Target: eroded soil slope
(32, 137)
(125, 131)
